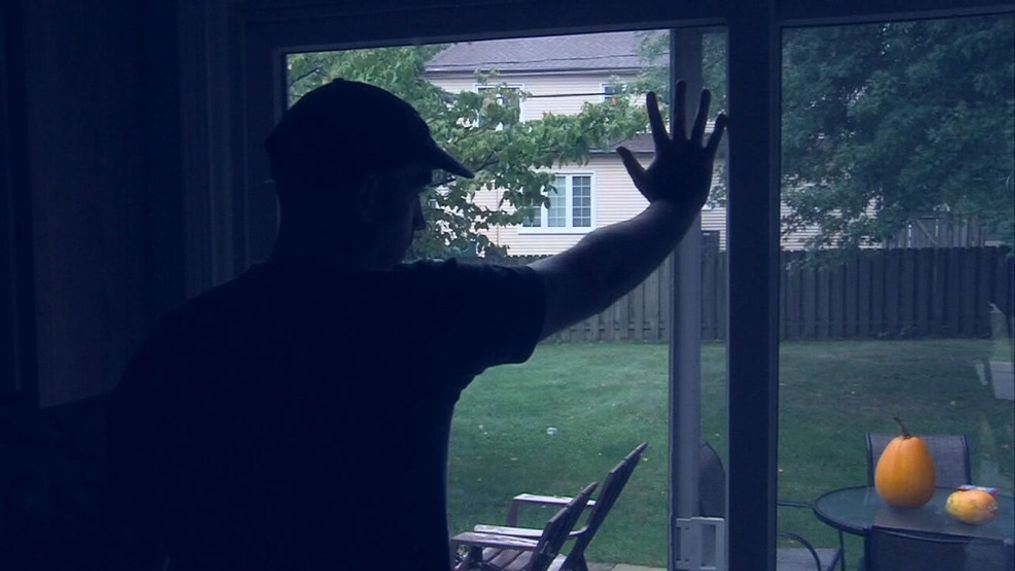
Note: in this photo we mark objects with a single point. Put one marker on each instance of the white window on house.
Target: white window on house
(504, 100)
(611, 92)
(569, 208)
(532, 217)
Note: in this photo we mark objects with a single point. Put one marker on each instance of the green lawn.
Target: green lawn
(603, 399)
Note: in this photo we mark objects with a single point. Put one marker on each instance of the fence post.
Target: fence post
(851, 287)
(864, 292)
(652, 304)
(984, 265)
(968, 292)
(924, 281)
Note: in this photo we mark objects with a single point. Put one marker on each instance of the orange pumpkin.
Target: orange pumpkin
(904, 476)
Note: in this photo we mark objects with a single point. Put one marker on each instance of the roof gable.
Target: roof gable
(613, 51)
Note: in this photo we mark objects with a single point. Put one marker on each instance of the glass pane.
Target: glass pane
(896, 299)
(581, 201)
(611, 92)
(714, 275)
(532, 218)
(563, 418)
(557, 212)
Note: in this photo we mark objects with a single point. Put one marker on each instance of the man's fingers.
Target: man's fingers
(714, 139)
(698, 131)
(655, 119)
(680, 111)
(632, 165)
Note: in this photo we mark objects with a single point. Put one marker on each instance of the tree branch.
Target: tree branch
(313, 71)
(490, 161)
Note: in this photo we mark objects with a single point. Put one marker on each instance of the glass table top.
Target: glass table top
(857, 508)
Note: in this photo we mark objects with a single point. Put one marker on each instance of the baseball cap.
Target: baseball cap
(352, 127)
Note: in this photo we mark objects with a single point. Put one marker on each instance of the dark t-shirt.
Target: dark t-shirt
(298, 416)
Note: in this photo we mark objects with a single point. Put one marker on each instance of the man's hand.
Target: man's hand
(610, 261)
(681, 171)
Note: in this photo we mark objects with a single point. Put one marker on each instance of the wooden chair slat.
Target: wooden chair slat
(505, 558)
(528, 532)
(490, 553)
(520, 563)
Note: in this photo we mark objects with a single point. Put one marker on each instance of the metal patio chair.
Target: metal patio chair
(894, 550)
(950, 453)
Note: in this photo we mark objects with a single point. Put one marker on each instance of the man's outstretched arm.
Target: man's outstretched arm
(611, 261)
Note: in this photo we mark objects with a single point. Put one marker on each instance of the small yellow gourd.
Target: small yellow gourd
(973, 506)
(904, 476)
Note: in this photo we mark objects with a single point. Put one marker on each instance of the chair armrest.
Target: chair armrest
(793, 504)
(537, 500)
(527, 532)
(473, 539)
(546, 500)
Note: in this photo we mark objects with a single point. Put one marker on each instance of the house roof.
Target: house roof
(613, 51)
(644, 144)
(637, 144)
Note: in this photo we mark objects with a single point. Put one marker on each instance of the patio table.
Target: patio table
(856, 509)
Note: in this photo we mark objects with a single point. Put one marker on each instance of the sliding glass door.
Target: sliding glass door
(692, 356)
(591, 394)
(896, 271)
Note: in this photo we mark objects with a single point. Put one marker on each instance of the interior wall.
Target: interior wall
(103, 150)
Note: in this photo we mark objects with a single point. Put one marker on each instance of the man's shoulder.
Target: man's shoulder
(457, 278)
(196, 311)
(428, 265)
(468, 266)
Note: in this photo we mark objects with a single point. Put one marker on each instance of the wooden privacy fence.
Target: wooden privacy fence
(895, 293)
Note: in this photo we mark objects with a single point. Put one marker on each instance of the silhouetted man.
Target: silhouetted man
(297, 417)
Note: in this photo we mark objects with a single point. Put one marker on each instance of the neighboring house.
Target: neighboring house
(560, 74)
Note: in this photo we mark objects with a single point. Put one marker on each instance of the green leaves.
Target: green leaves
(884, 124)
(484, 130)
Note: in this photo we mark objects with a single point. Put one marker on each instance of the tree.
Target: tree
(884, 124)
(484, 131)
(654, 50)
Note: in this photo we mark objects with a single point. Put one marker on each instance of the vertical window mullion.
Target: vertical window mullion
(753, 292)
(569, 201)
(685, 340)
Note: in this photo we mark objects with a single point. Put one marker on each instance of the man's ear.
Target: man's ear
(367, 195)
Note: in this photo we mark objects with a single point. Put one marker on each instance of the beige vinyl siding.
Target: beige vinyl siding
(540, 84)
(614, 197)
